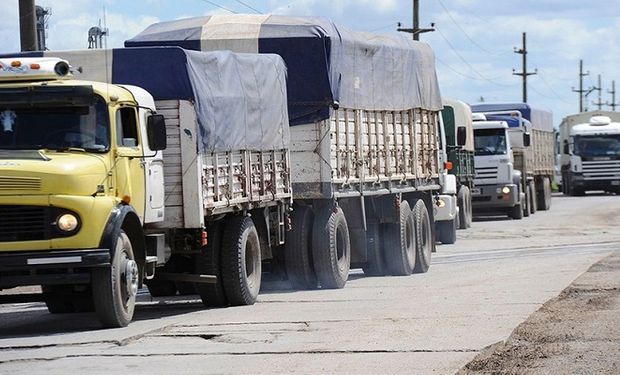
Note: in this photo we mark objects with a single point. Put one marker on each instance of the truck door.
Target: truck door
(130, 168)
(154, 174)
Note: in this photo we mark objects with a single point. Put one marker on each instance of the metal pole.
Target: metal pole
(524, 71)
(27, 25)
(416, 20)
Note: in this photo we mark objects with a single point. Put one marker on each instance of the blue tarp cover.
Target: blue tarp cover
(327, 64)
(541, 119)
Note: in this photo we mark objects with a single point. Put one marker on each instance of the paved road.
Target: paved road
(475, 294)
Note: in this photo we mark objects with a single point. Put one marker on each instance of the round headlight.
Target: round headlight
(67, 222)
(441, 203)
(506, 190)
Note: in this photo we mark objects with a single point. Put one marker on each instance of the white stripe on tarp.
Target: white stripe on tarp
(94, 63)
(237, 33)
(76, 259)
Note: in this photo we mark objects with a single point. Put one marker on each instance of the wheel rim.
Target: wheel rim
(341, 248)
(426, 237)
(130, 273)
(252, 260)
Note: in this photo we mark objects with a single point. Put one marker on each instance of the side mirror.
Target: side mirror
(566, 151)
(526, 140)
(461, 136)
(156, 132)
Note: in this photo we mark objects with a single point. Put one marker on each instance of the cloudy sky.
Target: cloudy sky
(474, 40)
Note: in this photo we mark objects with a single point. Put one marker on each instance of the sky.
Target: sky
(474, 40)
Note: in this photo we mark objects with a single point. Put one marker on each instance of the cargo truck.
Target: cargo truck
(590, 152)
(457, 121)
(532, 149)
(364, 114)
(160, 165)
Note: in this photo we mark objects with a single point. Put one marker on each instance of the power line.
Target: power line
(542, 77)
(219, 6)
(249, 6)
(467, 62)
(467, 35)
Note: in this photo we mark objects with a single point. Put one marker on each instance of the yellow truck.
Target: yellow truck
(176, 180)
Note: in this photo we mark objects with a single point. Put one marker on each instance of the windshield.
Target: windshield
(490, 141)
(55, 127)
(599, 145)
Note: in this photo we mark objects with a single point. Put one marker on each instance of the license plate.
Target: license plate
(476, 191)
(615, 183)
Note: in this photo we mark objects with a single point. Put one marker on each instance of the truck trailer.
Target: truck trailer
(590, 152)
(364, 115)
(532, 149)
(159, 166)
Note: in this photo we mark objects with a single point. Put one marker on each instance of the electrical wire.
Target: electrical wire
(468, 36)
(249, 6)
(219, 6)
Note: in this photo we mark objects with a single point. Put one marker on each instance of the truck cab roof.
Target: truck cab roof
(490, 125)
(590, 129)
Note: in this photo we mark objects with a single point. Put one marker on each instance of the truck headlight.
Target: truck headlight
(506, 190)
(441, 203)
(67, 222)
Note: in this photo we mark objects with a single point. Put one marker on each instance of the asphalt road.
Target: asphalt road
(477, 291)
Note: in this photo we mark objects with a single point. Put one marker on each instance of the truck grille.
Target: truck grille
(486, 172)
(30, 223)
(601, 170)
(19, 183)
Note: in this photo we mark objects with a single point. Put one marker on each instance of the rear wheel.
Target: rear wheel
(526, 203)
(241, 261)
(208, 262)
(465, 210)
(533, 199)
(399, 242)
(331, 249)
(544, 198)
(115, 287)
(424, 237)
(298, 250)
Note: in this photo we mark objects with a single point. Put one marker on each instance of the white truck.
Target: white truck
(590, 152)
(159, 166)
(364, 114)
(532, 149)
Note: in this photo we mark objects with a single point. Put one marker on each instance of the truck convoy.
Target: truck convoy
(364, 115)
(173, 167)
(514, 159)
(590, 152)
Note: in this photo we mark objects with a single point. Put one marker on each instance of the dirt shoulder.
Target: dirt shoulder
(577, 332)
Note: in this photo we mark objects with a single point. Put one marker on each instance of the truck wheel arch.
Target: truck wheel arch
(125, 218)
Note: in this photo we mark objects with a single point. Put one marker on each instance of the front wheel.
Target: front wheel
(465, 210)
(446, 231)
(115, 287)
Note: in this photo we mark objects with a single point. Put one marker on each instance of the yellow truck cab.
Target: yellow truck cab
(74, 160)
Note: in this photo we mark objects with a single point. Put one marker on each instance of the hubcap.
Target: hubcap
(131, 277)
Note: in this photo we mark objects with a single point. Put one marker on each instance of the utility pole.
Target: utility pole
(613, 103)
(600, 103)
(416, 31)
(581, 91)
(523, 51)
(27, 25)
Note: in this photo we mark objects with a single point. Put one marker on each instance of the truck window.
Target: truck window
(597, 145)
(490, 141)
(55, 127)
(126, 127)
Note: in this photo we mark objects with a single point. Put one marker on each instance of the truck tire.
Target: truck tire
(465, 207)
(331, 249)
(241, 261)
(423, 236)
(544, 196)
(298, 250)
(208, 262)
(446, 231)
(517, 211)
(399, 243)
(375, 264)
(533, 200)
(115, 287)
(526, 203)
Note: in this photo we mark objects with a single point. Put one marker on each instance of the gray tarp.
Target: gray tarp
(240, 99)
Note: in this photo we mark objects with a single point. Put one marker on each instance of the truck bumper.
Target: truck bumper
(50, 267)
(600, 184)
(492, 197)
(449, 209)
